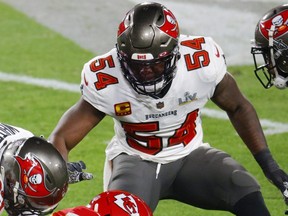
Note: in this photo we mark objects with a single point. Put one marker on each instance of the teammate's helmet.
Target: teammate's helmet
(119, 203)
(271, 42)
(35, 177)
(147, 47)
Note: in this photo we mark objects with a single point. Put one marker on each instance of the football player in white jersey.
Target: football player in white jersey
(30, 183)
(154, 84)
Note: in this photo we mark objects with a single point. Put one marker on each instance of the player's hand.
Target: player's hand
(76, 173)
(280, 179)
(273, 172)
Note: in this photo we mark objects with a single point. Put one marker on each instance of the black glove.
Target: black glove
(272, 171)
(75, 172)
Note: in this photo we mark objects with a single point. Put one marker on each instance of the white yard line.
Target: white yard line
(46, 83)
(270, 127)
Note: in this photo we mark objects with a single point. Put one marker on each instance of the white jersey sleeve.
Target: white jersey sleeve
(10, 133)
(163, 129)
(207, 55)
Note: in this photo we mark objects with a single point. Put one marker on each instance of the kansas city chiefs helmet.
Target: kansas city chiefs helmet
(270, 48)
(35, 177)
(119, 203)
(77, 211)
(147, 48)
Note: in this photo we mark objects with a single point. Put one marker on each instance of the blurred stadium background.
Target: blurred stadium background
(231, 23)
(46, 43)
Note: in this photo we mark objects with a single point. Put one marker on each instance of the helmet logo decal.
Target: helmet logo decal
(127, 203)
(142, 56)
(32, 176)
(121, 28)
(163, 54)
(126, 22)
(170, 25)
(280, 22)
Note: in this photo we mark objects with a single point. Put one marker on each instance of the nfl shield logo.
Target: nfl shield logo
(160, 105)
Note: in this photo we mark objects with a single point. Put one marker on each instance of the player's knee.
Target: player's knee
(243, 184)
(251, 205)
(244, 179)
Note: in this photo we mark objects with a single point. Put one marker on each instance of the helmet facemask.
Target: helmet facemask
(152, 77)
(262, 69)
(20, 204)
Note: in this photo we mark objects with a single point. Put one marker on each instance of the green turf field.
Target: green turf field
(27, 48)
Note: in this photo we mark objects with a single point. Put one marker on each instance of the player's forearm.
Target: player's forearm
(59, 144)
(247, 125)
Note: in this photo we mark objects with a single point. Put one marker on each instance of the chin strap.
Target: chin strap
(271, 40)
(279, 81)
(15, 191)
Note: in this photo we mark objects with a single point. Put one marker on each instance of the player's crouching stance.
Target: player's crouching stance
(155, 84)
(34, 177)
(112, 203)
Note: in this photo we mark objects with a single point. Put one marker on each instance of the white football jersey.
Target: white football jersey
(8, 134)
(160, 130)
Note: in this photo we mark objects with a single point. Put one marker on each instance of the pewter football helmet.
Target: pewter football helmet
(271, 44)
(35, 177)
(147, 46)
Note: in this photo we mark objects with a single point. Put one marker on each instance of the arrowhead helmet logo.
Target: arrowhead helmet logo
(127, 203)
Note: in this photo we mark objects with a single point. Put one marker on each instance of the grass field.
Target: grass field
(27, 48)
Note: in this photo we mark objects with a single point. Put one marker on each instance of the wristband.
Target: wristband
(265, 160)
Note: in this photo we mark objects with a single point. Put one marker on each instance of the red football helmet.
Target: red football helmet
(77, 211)
(119, 203)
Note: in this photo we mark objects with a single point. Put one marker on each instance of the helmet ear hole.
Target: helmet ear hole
(160, 19)
(48, 179)
(21, 200)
